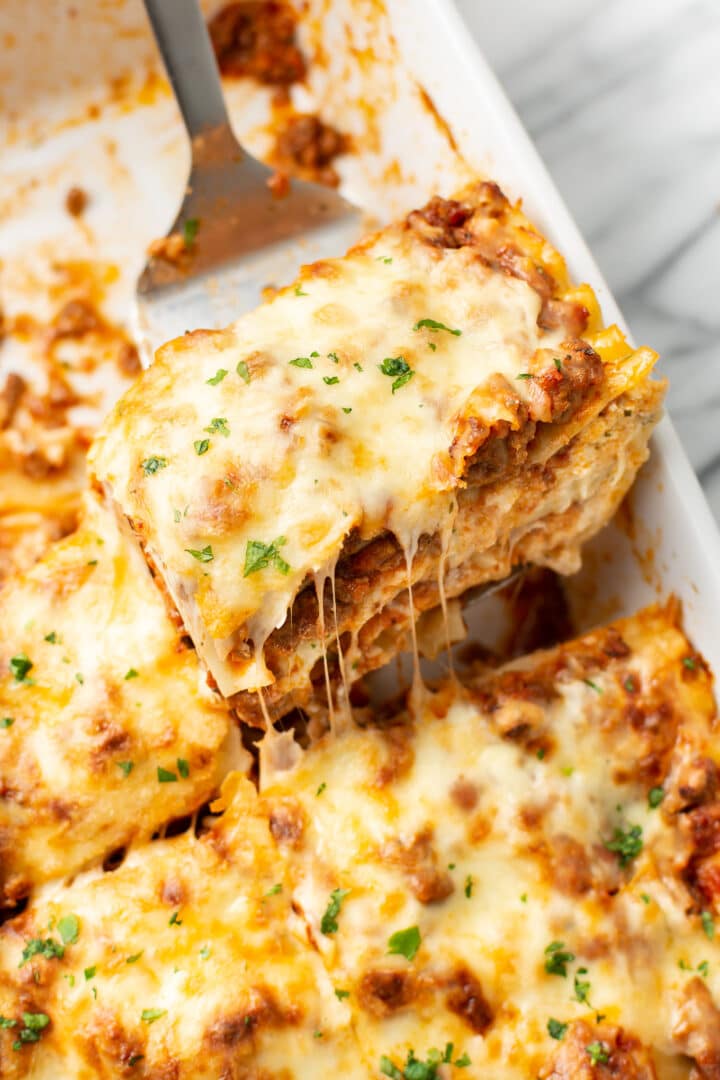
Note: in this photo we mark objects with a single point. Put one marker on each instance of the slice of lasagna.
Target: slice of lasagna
(524, 880)
(187, 962)
(107, 728)
(400, 425)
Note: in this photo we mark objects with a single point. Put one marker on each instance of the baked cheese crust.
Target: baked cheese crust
(520, 880)
(410, 414)
(107, 728)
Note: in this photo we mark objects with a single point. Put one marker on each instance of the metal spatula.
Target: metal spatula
(232, 236)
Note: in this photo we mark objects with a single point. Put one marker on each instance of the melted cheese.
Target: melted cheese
(284, 430)
(111, 696)
(509, 808)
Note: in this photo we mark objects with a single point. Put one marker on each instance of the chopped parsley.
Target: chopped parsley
(201, 446)
(556, 1029)
(134, 1058)
(80, 678)
(331, 380)
(704, 968)
(593, 686)
(383, 259)
(47, 947)
(582, 987)
(90, 972)
(299, 291)
(321, 789)
(183, 767)
(655, 797)
(149, 1016)
(153, 464)
(217, 377)
(598, 1053)
(175, 919)
(131, 673)
(630, 684)
(190, 229)
(165, 776)
(205, 952)
(708, 925)
(557, 959)
(558, 363)
(203, 555)
(69, 929)
(274, 890)
(329, 923)
(627, 844)
(405, 943)
(219, 424)
(20, 665)
(346, 409)
(302, 361)
(415, 1069)
(52, 638)
(126, 767)
(524, 375)
(134, 958)
(7, 721)
(358, 366)
(243, 370)
(468, 886)
(33, 1026)
(258, 556)
(5, 1022)
(690, 663)
(398, 369)
(334, 357)
(434, 325)
(340, 994)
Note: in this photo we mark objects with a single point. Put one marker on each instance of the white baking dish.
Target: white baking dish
(81, 103)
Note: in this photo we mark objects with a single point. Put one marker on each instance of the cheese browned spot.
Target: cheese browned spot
(408, 414)
(97, 693)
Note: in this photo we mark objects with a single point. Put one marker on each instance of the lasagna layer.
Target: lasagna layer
(444, 357)
(527, 869)
(107, 729)
(519, 879)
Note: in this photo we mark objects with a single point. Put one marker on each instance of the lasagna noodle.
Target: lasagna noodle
(107, 728)
(540, 845)
(345, 423)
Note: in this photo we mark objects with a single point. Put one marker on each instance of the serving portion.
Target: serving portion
(396, 427)
(108, 730)
(517, 880)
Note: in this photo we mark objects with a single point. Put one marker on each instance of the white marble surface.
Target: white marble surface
(622, 98)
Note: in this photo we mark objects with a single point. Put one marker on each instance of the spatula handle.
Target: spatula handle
(187, 53)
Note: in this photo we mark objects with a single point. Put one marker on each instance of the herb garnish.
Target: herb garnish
(219, 424)
(149, 1016)
(131, 673)
(33, 1026)
(627, 844)
(398, 369)
(468, 886)
(655, 797)
(69, 929)
(434, 325)
(598, 1053)
(405, 943)
(708, 924)
(556, 1029)
(258, 556)
(201, 446)
(152, 465)
(203, 555)
(217, 377)
(126, 767)
(20, 665)
(557, 959)
(302, 361)
(330, 380)
(165, 776)
(243, 370)
(183, 767)
(415, 1069)
(190, 229)
(47, 947)
(7, 721)
(328, 923)
(582, 987)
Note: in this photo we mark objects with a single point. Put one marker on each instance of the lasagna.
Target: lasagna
(108, 730)
(517, 877)
(396, 427)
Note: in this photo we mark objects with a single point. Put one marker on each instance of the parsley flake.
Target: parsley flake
(205, 952)
(190, 229)
(331, 380)
(341, 994)
(20, 665)
(131, 673)
(201, 446)
(708, 924)
(126, 767)
(524, 375)
(582, 987)
(627, 844)
(5, 1022)
(593, 686)
(153, 464)
(405, 943)
(7, 721)
(416, 1069)
(655, 797)
(329, 923)
(52, 638)
(90, 972)
(558, 363)
(243, 370)
(175, 919)
(219, 424)
(302, 362)
(299, 291)
(557, 959)
(346, 409)
(690, 663)
(598, 1053)
(149, 1016)
(358, 366)
(217, 377)
(69, 929)
(183, 766)
(434, 325)
(46, 947)
(468, 886)
(203, 555)
(398, 369)
(277, 888)
(134, 958)
(33, 1026)
(556, 1029)
(165, 776)
(258, 556)
(321, 789)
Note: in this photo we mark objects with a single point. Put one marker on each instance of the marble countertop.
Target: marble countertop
(622, 98)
